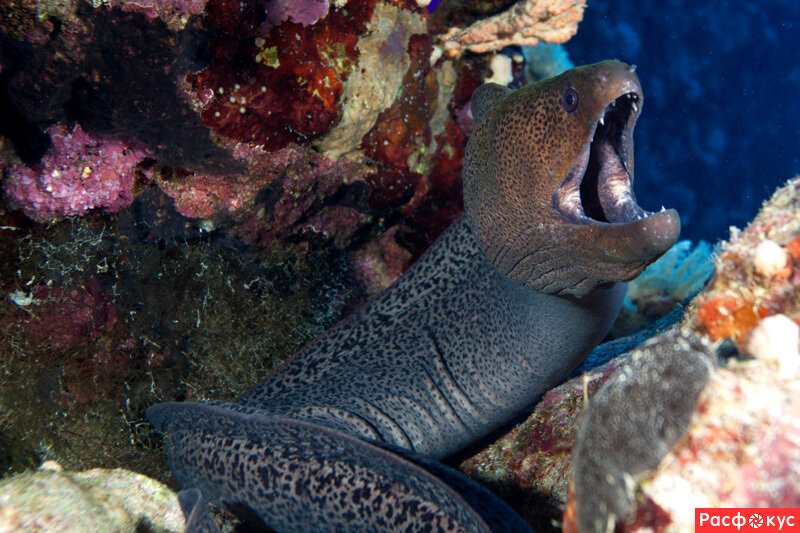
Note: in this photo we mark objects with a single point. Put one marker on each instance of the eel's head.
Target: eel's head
(548, 177)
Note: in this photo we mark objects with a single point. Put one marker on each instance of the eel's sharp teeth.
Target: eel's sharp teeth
(635, 107)
(602, 119)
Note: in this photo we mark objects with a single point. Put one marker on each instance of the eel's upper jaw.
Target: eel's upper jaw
(598, 188)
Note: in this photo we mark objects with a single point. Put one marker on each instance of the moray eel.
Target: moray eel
(345, 436)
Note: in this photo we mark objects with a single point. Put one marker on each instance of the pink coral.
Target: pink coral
(380, 262)
(306, 12)
(214, 196)
(79, 172)
(174, 13)
(337, 222)
(208, 196)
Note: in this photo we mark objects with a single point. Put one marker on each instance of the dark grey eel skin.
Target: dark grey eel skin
(501, 308)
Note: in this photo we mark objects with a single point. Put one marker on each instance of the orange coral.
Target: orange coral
(727, 316)
(793, 247)
(527, 23)
(570, 523)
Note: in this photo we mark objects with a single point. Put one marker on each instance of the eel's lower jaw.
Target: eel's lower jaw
(628, 234)
(645, 239)
(606, 198)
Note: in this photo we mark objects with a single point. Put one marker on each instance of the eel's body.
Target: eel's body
(501, 308)
(429, 370)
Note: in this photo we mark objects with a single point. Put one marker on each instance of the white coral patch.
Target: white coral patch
(776, 339)
(501, 70)
(770, 259)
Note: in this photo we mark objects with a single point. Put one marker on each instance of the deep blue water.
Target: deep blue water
(720, 128)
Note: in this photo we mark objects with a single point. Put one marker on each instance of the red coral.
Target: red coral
(214, 196)
(67, 319)
(470, 77)
(648, 515)
(78, 331)
(793, 247)
(403, 129)
(438, 202)
(569, 522)
(279, 86)
(204, 196)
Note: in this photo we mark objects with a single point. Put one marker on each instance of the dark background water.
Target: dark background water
(720, 128)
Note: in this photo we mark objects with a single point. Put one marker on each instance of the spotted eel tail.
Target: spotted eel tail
(195, 512)
(292, 475)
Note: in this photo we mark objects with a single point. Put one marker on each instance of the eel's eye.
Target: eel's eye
(569, 99)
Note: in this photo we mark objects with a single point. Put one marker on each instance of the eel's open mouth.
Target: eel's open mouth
(598, 188)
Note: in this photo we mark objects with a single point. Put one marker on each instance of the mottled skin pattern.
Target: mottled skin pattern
(311, 478)
(501, 308)
(445, 372)
(519, 156)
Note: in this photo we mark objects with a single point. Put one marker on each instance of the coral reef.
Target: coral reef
(373, 87)
(227, 103)
(402, 131)
(95, 500)
(226, 98)
(752, 281)
(80, 172)
(254, 74)
(116, 73)
(528, 22)
(179, 132)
